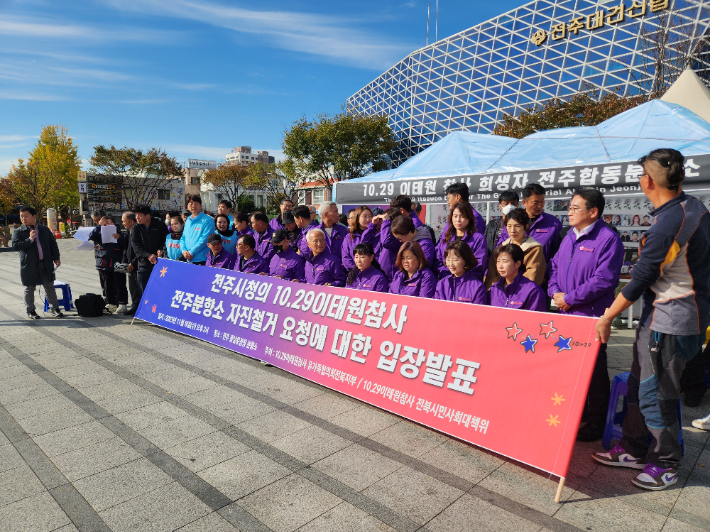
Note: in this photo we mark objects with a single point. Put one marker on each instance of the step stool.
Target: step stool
(614, 419)
(65, 300)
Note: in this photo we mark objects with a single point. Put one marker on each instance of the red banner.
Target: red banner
(510, 381)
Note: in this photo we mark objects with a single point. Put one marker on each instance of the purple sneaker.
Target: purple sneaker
(618, 457)
(656, 478)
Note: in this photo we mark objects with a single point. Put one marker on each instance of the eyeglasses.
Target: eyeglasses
(574, 208)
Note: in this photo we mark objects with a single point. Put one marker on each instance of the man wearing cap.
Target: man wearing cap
(289, 225)
(278, 223)
(262, 235)
(248, 260)
(335, 233)
(286, 263)
(322, 267)
(197, 228)
(302, 215)
(218, 257)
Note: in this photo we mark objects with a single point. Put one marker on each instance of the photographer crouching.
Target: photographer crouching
(39, 254)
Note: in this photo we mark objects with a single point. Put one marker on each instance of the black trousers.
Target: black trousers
(114, 287)
(599, 392)
(134, 288)
(692, 380)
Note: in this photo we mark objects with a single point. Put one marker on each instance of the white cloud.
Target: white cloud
(53, 29)
(31, 96)
(16, 138)
(335, 38)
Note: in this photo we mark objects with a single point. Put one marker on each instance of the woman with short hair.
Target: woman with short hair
(513, 289)
(413, 278)
(366, 274)
(517, 223)
(462, 284)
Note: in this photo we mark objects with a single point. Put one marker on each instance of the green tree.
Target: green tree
(277, 180)
(335, 148)
(230, 180)
(583, 109)
(143, 173)
(57, 157)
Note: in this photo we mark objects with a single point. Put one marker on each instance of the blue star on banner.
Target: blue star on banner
(529, 344)
(563, 344)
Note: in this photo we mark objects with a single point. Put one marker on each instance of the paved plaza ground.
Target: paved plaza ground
(106, 425)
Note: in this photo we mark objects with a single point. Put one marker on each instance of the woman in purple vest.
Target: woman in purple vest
(463, 284)
(462, 226)
(513, 290)
(414, 277)
(362, 230)
(366, 274)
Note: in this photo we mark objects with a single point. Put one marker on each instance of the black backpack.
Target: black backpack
(90, 305)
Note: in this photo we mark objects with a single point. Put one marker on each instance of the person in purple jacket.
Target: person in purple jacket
(544, 228)
(335, 233)
(262, 235)
(458, 193)
(462, 285)
(302, 216)
(286, 263)
(322, 267)
(218, 257)
(362, 231)
(403, 204)
(248, 260)
(513, 290)
(277, 223)
(387, 246)
(366, 274)
(583, 277)
(403, 230)
(241, 224)
(414, 278)
(462, 226)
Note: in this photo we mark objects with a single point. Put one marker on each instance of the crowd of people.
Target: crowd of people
(524, 261)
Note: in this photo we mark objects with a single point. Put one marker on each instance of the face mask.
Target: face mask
(506, 210)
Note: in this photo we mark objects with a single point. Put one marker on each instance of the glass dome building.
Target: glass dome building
(540, 51)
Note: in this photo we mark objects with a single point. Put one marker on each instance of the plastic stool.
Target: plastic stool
(65, 300)
(614, 419)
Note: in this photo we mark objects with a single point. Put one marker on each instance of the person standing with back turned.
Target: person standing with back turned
(672, 275)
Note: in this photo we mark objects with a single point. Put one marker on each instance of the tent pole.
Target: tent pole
(488, 211)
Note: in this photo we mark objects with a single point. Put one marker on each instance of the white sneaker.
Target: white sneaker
(112, 308)
(121, 309)
(703, 423)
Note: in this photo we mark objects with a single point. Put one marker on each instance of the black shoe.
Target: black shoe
(693, 399)
(56, 313)
(590, 432)
(33, 315)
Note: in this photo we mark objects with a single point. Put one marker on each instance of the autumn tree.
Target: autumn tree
(57, 157)
(582, 109)
(232, 181)
(339, 147)
(33, 185)
(277, 180)
(143, 173)
(6, 199)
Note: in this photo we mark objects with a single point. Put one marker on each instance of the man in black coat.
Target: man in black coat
(129, 257)
(147, 237)
(38, 255)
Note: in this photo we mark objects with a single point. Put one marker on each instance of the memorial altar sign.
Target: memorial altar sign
(510, 381)
(613, 179)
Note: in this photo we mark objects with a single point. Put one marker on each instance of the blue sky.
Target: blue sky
(197, 77)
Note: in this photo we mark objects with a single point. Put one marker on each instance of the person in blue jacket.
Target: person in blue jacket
(322, 267)
(198, 227)
(362, 231)
(461, 225)
(584, 275)
(172, 248)
(513, 290)
(413, 277)
(225, 207)
(248, 260)
(462, 285)
(286, 263)
(229, 236)
(366, 274)
(262, 235)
